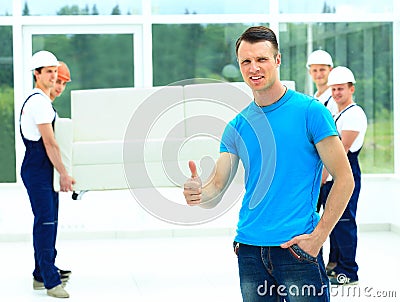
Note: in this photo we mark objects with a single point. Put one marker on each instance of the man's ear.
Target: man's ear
(278, 59)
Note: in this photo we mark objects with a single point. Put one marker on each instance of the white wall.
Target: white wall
(379, 202)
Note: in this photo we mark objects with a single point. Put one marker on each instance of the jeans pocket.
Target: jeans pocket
(300, 254)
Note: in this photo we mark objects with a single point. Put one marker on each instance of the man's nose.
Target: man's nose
(255, 67)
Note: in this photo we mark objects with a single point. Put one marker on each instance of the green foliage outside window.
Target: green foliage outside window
(7, 134)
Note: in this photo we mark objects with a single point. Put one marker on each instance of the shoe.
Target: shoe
(38, 285)
(331, 273)
(64, 273)
(58, 292)
(341, 279)
(330, 266)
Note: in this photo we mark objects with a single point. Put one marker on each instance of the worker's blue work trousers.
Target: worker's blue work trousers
(37, 175)
(343, 239)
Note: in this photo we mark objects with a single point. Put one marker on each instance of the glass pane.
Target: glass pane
(335, 6)
(198, 51)
(75, 7)
(6, 8)
(210, 7)
(94, 62)
(367, 49)
(7, 131)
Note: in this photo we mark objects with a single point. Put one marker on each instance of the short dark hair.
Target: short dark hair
(257, 34)
(39, 70)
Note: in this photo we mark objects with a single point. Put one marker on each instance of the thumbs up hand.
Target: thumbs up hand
(192, 187)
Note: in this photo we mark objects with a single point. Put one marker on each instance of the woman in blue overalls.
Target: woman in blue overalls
(41, 156)
(351, 124)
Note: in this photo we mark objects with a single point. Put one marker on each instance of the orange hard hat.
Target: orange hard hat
(63, 72)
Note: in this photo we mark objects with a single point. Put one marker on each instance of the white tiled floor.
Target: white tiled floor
(171, 264)
(165, 269)
(176, 269)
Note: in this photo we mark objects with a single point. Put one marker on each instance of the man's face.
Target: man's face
(58, 89)
(46, 78)
(258, 64)
(342, 93)
(319, 73)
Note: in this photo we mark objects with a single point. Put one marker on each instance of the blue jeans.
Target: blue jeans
(277, 274)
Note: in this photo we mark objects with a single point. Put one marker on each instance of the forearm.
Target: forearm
(54, 154)
(215, 187)
(211, 194)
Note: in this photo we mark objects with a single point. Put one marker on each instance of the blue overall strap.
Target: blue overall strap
(327, 101)
(22, 108)
(344, 112)
(350, 154)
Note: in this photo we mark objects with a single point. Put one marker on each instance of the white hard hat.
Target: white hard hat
(340, 75)
(319, 57)
(43, 58)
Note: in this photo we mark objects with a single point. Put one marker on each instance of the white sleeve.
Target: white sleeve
(355, 120)
(42, 110)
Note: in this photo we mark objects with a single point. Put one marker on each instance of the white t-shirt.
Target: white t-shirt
(327, 96)
(37, 110)
(353, 119)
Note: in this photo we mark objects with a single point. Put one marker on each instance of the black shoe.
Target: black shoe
(64, 273)
(331, 273)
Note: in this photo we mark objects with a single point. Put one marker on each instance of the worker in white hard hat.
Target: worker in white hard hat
(351, 123)
(42, 155)
(319, 65)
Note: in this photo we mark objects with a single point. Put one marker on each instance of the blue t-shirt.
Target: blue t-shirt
(276, 145)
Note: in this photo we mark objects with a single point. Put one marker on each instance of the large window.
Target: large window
(207, 51)
(95, 61)
(7, 133)
(176, 40)
(367, 49)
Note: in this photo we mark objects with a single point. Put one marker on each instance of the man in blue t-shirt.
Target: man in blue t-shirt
(283, 139)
